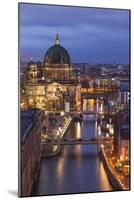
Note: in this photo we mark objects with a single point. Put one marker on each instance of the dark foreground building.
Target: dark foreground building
(31, 126)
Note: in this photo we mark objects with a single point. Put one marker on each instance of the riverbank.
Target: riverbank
(56, 149)
(112, 175)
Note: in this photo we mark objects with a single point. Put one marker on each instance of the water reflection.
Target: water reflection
(77, 168)
(96, 129)
(60, 166)
(77, 130)
(103, 177)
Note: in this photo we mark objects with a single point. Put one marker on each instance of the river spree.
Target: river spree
(76, 169)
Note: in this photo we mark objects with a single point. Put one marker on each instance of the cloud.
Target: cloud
(81, 30)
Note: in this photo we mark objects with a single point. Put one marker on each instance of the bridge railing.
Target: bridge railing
(58, 140)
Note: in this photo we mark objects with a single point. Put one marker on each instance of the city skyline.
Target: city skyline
(92, 31)
(74, 118)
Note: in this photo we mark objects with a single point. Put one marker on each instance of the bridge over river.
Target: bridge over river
(76, 141)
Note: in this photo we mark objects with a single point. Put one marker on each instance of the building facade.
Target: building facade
(124, 94)
(50, 85)
(122, 135)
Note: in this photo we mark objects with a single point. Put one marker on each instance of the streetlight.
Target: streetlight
(99, 131)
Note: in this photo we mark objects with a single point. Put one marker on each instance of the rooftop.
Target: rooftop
(124, 87)
(125, 132)
(28, 119)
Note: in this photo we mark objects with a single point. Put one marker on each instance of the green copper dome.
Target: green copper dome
(57, 54)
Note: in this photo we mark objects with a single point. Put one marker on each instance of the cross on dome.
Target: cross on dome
(57, 41)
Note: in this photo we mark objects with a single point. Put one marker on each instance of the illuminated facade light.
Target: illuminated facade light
(62, 113)
(107, 134)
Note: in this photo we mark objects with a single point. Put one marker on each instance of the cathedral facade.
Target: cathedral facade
(53, 84)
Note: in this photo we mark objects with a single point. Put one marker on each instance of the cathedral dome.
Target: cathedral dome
(57, 54)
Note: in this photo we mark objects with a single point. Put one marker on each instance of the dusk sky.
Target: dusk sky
(88, 34)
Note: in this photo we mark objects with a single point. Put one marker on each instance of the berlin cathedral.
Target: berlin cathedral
(51, 85)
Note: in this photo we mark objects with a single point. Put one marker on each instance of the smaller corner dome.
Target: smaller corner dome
(32, 67)
(57, 54)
